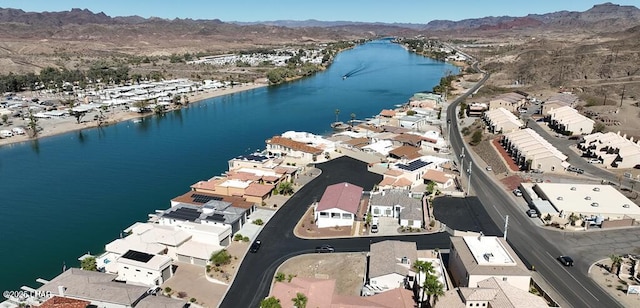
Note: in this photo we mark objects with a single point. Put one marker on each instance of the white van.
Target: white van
(18, 131)
(6, 133)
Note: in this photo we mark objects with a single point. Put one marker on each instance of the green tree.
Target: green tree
(353, 117)
(270, 302)
(89, 264)
(300, 301)
(422, 267)
(280, 277)
(433, 288)
(33, 124)
(221, 257)
(5, 119)
(337, 112)
(616, 260)
(285, 188)
(431, 187)
(476, 137)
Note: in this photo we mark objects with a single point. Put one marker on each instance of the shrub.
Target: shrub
(280, 277)
(245, 239)
(192, 300)
(182, 294)
(221, 257)
(167, 290)
(432, 223)
(238, 237)
(258, 222)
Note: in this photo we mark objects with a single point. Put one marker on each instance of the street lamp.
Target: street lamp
(469, 178)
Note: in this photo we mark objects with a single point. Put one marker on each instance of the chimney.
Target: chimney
(61, 291)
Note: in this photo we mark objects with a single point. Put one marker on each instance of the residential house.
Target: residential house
(473, 259)
(390, 264)
(285, 147)
(413, 170)
(100, 289)
(567, 120)
(250, 190)
(406, 152)
(142, 268)
(200, 198)
(441, 179)
(491, 292)
(399, 204)
(338, 206)
(476, 109)
(393, 179)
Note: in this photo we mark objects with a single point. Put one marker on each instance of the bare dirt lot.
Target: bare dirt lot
(347, 269)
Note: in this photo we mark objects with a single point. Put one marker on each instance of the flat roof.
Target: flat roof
(488, 250)
(588, 199)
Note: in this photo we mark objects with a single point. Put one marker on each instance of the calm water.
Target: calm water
(63, 196)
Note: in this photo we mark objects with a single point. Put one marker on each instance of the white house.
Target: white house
(142, 268)
(441, 179)
(390, 264)
(338, 206)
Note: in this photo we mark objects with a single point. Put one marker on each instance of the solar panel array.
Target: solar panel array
(414, 165)
(216, 217)
(253, 157)
(199, 198)
(184, 213)
(137, 256)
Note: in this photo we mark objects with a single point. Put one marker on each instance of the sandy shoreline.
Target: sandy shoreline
(52, 127)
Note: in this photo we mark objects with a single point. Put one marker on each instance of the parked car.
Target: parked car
(517, 192)
(532, 213)
(324, 248)
(489, 168)
(565, 260)
(374, 228)
(575, 169)
(594, 161)
(255, 246)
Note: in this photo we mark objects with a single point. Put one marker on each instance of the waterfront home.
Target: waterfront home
(338, 206)
(248, 189)
(200, 198)
(142, 268)
(292, 150)
(100, 289)
(213, 213)
(491, 292)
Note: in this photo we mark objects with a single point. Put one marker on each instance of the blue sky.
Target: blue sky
(403, 11)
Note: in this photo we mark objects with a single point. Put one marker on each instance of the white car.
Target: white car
(489, 168)
(517, 192)
(594, 161)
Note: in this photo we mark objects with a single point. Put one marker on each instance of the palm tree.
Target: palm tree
(433, 288)
(422, 267)
(300, 301)
(616, 260)
(353, 117)
(337, 113)
(270, 302)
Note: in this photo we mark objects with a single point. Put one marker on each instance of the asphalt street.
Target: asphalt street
(255, 275)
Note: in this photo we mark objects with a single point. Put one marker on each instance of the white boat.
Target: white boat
(339, 126)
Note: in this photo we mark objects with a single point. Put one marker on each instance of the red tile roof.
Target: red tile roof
(258, 190)
(294, 145)
(64, 302)
(436, 176)
(344, 196)
(387, 113)
(406, 152)
(235, 201)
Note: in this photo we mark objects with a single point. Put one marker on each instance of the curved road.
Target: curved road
(255, 275)
(528, 240)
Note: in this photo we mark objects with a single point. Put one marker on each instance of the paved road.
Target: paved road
(255, 275)
(531, 244)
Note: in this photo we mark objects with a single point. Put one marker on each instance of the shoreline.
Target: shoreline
(54, 127)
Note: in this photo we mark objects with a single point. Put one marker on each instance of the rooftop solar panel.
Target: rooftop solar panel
(199, 198)
(183, 213)
(137, 256)
(216, 217)
(414, 165)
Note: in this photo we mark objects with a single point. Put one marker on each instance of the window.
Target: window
(504, 278)
(376, 211)
(138, 270)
